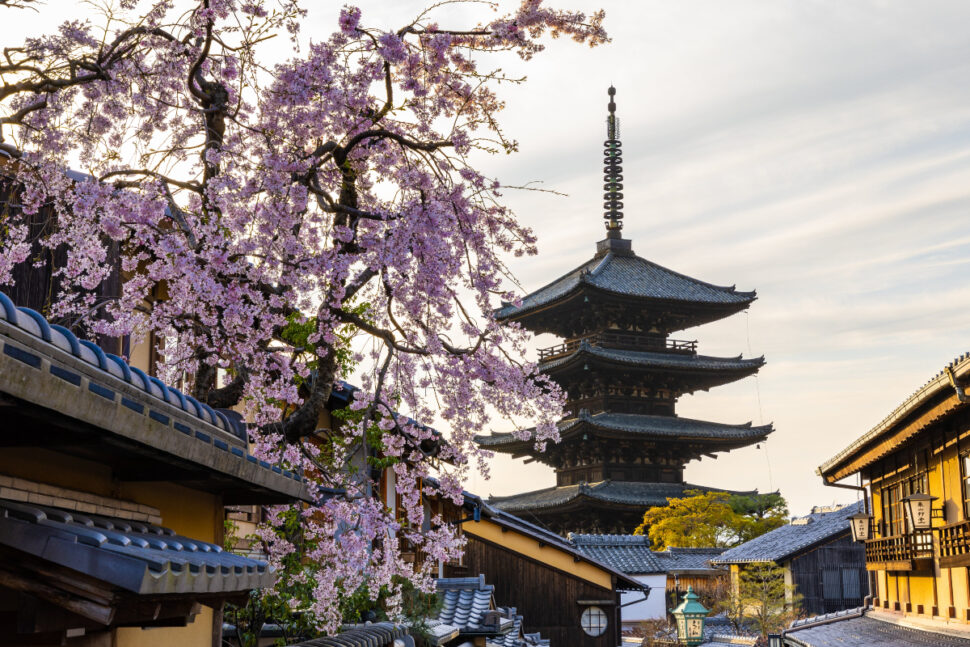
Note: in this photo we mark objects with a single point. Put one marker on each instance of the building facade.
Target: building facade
(920, 584)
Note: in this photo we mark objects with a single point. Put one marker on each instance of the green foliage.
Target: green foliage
(712, 519)
(766, 601)
(286, 603)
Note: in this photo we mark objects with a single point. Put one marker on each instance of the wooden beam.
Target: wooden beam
(100, 613)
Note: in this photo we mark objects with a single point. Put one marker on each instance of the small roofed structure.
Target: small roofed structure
(112, 487)
(817, 552)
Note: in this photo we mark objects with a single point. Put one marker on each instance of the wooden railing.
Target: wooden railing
(955, 544)
(898, 552)
(623, 341)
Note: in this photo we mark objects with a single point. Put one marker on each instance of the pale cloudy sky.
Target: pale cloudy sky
(818, 152)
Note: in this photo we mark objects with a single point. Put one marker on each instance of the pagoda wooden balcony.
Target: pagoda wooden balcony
(620, 341)
(955, 544)
(908, 552)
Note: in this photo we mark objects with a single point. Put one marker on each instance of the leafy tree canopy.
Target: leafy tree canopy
(712, 519)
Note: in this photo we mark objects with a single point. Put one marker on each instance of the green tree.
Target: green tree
(698, 520)
(758, 514)
(712, 519)
(768, 603)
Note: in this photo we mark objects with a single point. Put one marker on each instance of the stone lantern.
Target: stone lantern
(690, 615)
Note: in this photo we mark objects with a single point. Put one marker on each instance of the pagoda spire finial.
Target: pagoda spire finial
(612, 172)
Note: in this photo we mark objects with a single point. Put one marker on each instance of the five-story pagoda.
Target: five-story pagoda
(623, 448)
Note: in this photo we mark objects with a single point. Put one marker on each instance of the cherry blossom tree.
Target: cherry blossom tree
(331, 193)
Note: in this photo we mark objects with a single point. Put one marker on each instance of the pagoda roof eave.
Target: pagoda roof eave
(636, 427)
(669, 362)
(626, 495)
(630, 277)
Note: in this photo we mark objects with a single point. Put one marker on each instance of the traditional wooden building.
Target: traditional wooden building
(112, 488)
(623, 447)
(819, 558)
(672, 570)
(921, 589)
(563, 595)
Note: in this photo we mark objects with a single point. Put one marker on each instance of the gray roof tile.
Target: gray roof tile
(866, 630)
(622, 492)
(786, 541)
(633, 276)
(632, 555)
(133, 556)
(666, 361)
(646, 425)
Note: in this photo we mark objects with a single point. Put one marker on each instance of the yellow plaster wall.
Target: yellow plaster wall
(921, 591)
(525, 545)
(196, 634)
(960, 596)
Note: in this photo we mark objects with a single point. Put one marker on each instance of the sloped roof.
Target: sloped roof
(628, 275)
(665, 361)
(379, 634)
(647, 426)
(628, 553)
(855, 627)
(631, 554)
(959, 368)
(471, 502)
(634, 493)
(46, 365)
(141, 558)
(787, 541)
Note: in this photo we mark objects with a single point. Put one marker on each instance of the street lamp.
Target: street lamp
(919, 510)
(861, 525)
(690, 615)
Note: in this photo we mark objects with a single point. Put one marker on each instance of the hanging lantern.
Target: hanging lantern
(690, 615)
(919, 510)
(861, 525)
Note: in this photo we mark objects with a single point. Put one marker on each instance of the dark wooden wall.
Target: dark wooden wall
(545, 597)
(832, 576)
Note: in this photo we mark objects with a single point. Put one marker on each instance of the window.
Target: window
(594, 621)
(965, 475)
(894, 522)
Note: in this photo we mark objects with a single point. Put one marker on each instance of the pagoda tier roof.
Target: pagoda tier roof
(637, 495)
(636, 427)
(621, 273)
(669, 363)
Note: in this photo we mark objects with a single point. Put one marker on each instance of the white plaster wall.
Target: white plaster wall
(653, 608)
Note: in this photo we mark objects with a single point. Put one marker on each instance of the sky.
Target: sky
(818, 152)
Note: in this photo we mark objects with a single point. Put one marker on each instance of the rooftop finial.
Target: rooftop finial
(612, 172)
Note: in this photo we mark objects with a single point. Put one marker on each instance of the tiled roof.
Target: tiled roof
(138, 557)
(856, 629)
(632, 555)
(959, 368)
(688, 559)
(44, 361)
(789, 540)
(507, 520)
(465, 603)
(628, 553)
(647, 426)
(380, 634)
(630, 276)
(35, 324)
(516, 637)
(665, 361)
(622, 492)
